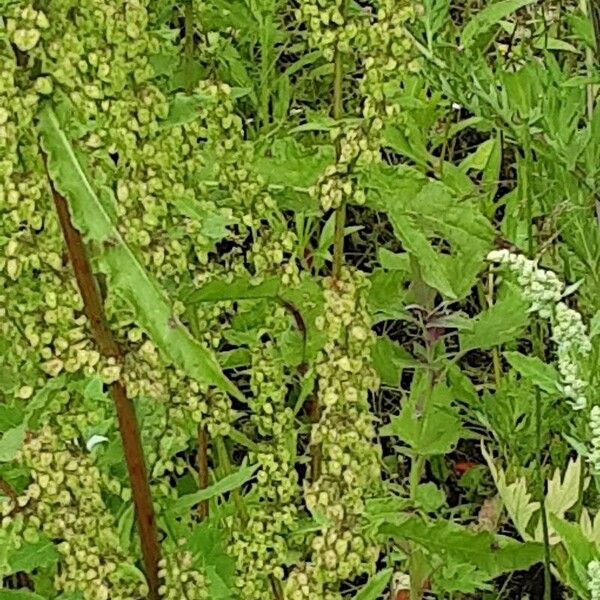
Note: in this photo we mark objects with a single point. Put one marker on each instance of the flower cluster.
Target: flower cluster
(350, 469)
(544, 290)
(65, 502)
(337, 184)
(261, 541)
(594, 456)
(387, 55)
(182, 580)
(328, 27)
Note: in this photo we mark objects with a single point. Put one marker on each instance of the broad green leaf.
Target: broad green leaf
(11, 442)
(503, 322)
(152, 309)
(239, 288)
(376, 585)
(562, 494)
(478, 159)
(387, 295)
(428, 425)
(10, 416)
(208, 545)
(535, 370)
(228, 483)
(288, 163)
(515, 496)
(33, 555)
(389, 359)
(415, 242)
(185, 108)
(488, 17)
(429, 497)
(392, 261)
(434, 213)
(580, 551)
(233, 359)
(491, 554)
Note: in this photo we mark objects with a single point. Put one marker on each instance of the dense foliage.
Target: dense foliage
(298, 300)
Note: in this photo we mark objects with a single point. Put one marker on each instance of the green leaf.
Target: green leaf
(239, 288)
(288, 163)
(208, 544)
(19, 595)
(491, 554)
(515, 496)
(392, 261)
(185, 108)
(11, 442)
(416, 243)
(387, 295)
(389, 358)
(478, 160)
(375, 586)
(228, 483)
(535, 370)
(428, 425)
(488, 17)
(152, 309)
(420, 221)
(580, 551)
(502, 322)
(595, 325)
(31, 556)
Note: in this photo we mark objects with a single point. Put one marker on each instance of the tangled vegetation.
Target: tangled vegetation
(299, 300)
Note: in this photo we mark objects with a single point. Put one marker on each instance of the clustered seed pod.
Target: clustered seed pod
(338, 184)
(96, 62)
(387, 56)
(328, 28)
(260, 539)
(350, 470)
(64, 501)
(181, 578)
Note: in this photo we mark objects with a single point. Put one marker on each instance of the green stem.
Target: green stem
(526, 163)
(495, 354)
(414, 477)
(225, 466)
(189, 46)
(545, 532)
(340, 211)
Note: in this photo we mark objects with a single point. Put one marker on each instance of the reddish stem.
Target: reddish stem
(128, 426)
(203, 469)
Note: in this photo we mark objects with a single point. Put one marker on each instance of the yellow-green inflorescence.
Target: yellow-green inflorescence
(93, 59)
(65, 501)
(350, 460)
(181, 578)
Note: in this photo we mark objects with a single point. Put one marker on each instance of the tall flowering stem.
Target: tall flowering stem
(128, 426)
